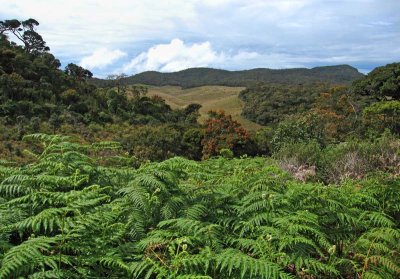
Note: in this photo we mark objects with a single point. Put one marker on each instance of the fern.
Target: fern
(26, 257)
(235, 262)
(70, 214)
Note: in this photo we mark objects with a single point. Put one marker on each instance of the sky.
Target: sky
(121, 36)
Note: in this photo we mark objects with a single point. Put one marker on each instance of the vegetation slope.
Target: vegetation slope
(69, 215)
(322, 201)
(341, 74)
(209, 97)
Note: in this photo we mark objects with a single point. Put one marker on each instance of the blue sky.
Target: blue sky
(122, 36)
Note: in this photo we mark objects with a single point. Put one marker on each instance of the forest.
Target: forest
(100, 180)
(341, 74)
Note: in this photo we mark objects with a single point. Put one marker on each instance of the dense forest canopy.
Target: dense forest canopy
(341, 74)
(269, 104)
(382, 82)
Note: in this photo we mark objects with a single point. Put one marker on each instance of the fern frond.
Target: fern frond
(24, 258)
(377, 219)
(47, 220)
(49, 274)
(234, 261)
(114, 262)
(196, 212)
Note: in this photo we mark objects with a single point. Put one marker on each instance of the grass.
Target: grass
(210, 97)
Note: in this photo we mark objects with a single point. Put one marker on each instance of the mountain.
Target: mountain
(341, 74)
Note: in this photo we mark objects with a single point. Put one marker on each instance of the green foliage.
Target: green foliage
(37, 96)
(269, 104)
(354, 159)
(383, 115)
(303, 153)
(68, 215)
(299, 129)
(154, 143)
(382, 83)
(341, 74)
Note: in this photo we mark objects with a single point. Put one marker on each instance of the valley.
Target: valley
(211, 97)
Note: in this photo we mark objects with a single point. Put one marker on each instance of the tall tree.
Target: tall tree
(25, 31)
(116, 81)
(78, 72)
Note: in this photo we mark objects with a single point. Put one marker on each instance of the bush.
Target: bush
(298, 129)
(355, 159)
(383, 115)
(222, 132)
(262, 139)
(153, 143)
(300, 159)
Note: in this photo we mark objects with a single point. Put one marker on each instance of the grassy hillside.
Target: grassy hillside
(341, 74)
(210, 97)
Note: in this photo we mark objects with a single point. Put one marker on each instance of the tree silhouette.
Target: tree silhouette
(25, 31)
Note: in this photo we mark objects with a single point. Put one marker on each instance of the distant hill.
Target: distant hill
(341, 74)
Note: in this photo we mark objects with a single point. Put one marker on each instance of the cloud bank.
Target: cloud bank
(231, 34)
(101, 58)
(174, 56)
(178, 55)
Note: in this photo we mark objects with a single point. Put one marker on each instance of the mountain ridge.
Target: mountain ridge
(193, 77)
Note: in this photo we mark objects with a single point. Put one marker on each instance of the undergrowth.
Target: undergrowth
(70, 214)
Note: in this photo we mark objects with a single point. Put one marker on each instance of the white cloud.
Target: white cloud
(281, 32)
(70, 27)
(174, 56)
(178, 55)
(101, 58)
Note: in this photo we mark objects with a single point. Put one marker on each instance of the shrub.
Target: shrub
(300, 159)
(221, 131)
(355, 159)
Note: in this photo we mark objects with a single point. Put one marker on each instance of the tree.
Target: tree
(139, 91)
(69, 96)
(25, 31)
(78, 72)
(191, 113)
(222, 132)
(55, 122)
(299, 128)
(382, 115)
(382, 82)
(192, 108)
(191, 141)
(337, 113)
(116, 81)
(13, 86)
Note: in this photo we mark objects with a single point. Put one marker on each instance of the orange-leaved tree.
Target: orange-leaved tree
(222, 132)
